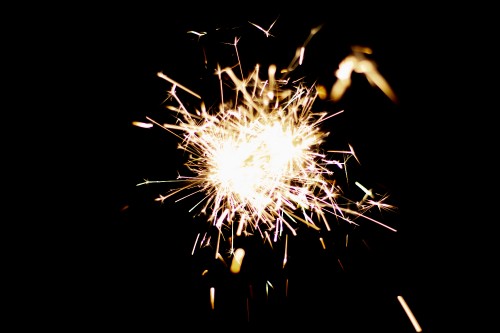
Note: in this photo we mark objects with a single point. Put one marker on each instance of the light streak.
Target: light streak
(340, 264)
(259, 158)
(142, 124)
(266, 32)
(268, 284)
(212, 298)
(196, 241)
(285, 257)
(409, 313)
(238, 256)
(199, 34)
(322, 243)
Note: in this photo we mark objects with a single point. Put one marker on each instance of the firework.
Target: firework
(256, 162)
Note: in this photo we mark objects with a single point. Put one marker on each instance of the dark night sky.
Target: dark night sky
(121, 260)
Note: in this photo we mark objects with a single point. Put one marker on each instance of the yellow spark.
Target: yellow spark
(266, 32)
(217, 253)
(285, 257)
(199, 34)
(258, 160)
(299, 52)
(141, 124)
(248, 309)
(409, 313)
(195, 242)
(239, 254)
(322, 243)
(368, 193)
(163, 76)
(241, 225)
(301, 57)
(268, 284)
(322, 93)
(212, 297)
(259, 157)
(359, 63)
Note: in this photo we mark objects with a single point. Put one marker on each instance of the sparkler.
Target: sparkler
(257, 163)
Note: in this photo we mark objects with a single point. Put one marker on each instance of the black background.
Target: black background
(113, 258)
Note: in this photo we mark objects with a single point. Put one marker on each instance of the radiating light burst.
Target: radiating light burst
(257, 161)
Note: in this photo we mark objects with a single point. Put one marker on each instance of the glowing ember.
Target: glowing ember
(409, 313)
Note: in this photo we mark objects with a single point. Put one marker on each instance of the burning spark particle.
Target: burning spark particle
(359, 63)
(248, 309)
(322, 243)
(259, 158)
(196, 241)
(239, 254)
(340, 264)
(285, 257)
(409, 313)
(212, 298)
(141, 124)
(268, 284)
(199, 34)
(368, 193)
(299, 56)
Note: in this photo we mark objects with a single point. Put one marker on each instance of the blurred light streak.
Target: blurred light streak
(409, 313)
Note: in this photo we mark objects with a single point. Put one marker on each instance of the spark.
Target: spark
(142, 124)
(359, 63)
(259, 158)
(340, 264)
(285, 257)
(268, 284)
(409, 313)
(177, 84)
(368, 193)
(248, 310)
(199, 34)
(194, 247)
(266, 32)
(212, 298)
